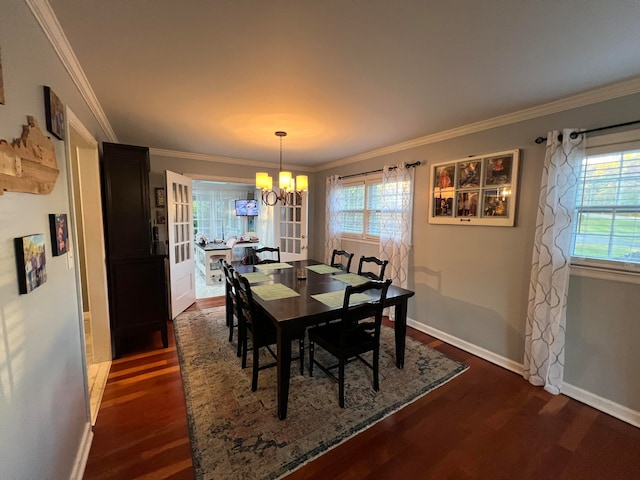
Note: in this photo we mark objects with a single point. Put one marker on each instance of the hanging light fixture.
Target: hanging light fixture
(287, 186)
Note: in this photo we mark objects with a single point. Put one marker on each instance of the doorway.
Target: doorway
(89, 258)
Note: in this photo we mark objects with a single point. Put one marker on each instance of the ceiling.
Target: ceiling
(342, 77)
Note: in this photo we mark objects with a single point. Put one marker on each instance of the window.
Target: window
(606, 228)
(361, 208)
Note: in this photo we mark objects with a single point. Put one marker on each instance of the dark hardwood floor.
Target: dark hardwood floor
(488, 423)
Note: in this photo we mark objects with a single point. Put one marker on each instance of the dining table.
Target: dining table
(299, 294)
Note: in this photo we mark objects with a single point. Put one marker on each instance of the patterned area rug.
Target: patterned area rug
(235, 433)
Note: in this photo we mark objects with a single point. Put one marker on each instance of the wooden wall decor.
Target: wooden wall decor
(28, 164)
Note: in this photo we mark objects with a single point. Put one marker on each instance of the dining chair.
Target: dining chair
(273, 251)
(382, 264)
(260, 330)
(352, 336)
(338, 262)
(231, 303)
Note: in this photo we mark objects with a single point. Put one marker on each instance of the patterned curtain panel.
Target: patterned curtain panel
(333, 216)
(396, 221)
(545, 327)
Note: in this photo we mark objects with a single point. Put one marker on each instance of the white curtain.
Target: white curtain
(266, 223)
(333, 216)
(545, 327)
(396, 221)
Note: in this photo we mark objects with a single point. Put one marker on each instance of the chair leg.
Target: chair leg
(341, 382)
(301, 347)
(244, 350)
(231, 329)
(376, 378)
(256, 366)
(311, 351)
(242, 337)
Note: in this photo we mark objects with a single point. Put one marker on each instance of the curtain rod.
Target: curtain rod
(414, 164)
(574, 135)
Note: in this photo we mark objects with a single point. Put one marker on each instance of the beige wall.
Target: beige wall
(471, 282)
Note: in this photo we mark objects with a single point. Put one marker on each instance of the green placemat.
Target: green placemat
(273, 266)
(256, 277)
(323, 269)
(336, 299)
(276, 291)
(351, 279)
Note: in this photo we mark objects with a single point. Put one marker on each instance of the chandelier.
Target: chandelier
(287, 186)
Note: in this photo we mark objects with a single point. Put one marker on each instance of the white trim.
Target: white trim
(79, 127)
(218, 159)
(80, 462)
(609, 92)
(602, 404)
(605, 273)
(218, 178)
(51, 27)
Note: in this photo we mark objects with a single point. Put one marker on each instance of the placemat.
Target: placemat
(273, 266)
(323, 269)
(274, 291)
(336, 299)
(256, 277)
(351, 279)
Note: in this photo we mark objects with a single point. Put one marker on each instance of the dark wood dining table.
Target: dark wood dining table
(293, 314)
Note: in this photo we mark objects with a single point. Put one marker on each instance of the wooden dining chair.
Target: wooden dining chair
(343, 263)
(355, 334)
(231, 303)
(382, 265)
(273, 251)
(259, 330)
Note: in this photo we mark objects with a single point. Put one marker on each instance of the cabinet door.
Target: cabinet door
(126, 185)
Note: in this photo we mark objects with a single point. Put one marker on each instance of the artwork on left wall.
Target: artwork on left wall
(59, 233)
(54, 111)
(1, 81)
(31, 262)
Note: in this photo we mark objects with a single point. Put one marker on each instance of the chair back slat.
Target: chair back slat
(382, 265)
(343, 263)
(274, 251)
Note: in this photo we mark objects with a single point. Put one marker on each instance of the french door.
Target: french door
(293, 228)
(181, 248)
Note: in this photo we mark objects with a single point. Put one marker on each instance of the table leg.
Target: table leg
(400, 328)
(284, 370)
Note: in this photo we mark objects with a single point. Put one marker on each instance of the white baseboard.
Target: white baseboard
(83, 453)
(600, 403)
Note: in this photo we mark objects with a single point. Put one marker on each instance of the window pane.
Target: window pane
(607, 215)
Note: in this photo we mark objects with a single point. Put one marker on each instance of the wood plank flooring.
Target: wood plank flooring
(486, 424)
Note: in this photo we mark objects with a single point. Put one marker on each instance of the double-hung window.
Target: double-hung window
(606, 228)
(361, 207)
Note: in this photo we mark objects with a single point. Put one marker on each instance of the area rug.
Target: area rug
(235, 433)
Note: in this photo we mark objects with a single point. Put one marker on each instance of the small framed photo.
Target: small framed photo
(161, 218)
(31, 262)
(161, 199)
(480, 190)
(54, 111)
(59, 228)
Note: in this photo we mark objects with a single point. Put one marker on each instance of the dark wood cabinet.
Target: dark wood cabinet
(137, 279)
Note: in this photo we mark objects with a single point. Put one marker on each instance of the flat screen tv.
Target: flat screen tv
(246, 208)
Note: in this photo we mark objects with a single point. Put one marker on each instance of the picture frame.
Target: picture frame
(59, 229)
(54, 113)
(479, 190)
(161, 218)
(161, 199)
(31, 262)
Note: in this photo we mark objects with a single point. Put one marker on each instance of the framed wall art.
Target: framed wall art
(161, 199)
(31, 262)
(59, 233)
(480, 190)
(54, 111)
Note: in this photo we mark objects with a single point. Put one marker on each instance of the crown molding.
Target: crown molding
(218, 159)
(51, 27)
(597, 95)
